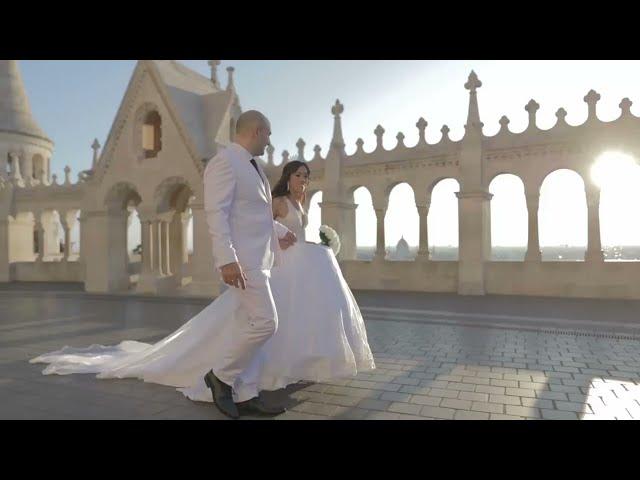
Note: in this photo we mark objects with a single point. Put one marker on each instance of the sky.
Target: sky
(76, 101)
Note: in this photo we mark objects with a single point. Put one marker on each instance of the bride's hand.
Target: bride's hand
(288, 240)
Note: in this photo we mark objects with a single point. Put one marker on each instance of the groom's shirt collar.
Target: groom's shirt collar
(242, 152)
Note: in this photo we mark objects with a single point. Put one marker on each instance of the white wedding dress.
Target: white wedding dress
(321, 334)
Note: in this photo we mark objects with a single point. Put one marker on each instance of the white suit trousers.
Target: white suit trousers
(259, 323)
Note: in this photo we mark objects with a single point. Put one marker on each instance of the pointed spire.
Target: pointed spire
(625, 107)
(532, 109)
(473, 117)
(15, 112)
(422, 126)
(230, 84)
(214, 72)
(96, 147)
(337, 141)
(561, 115)
(591, 99)
(300, 146)
(504, 124)
(270, 150)
(316, 152)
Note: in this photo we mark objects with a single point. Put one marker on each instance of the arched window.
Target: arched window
(151, 133)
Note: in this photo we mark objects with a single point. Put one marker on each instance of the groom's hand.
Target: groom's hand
(233, 275)
(288, 240)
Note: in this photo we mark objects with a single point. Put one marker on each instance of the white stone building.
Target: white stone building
(172, 120)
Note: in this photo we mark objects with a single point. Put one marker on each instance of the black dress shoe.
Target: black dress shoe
(255, 406)
(222, 396)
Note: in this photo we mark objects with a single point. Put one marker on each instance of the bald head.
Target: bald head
(250, 121)
(253, 130)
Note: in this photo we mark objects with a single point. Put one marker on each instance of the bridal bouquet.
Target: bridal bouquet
(329, 237)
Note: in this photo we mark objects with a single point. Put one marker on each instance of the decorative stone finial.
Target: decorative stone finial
(591, 99)
(316, 150)
(422, 126)
(230, 84)
(270, 151)
(473, 83)
(625, 106)
(54, 179)
(285, 157)
(96, 147)
(67, 175)
(400, 138)
(532, 107)
(359, 145)
(445, 132)
(214, 72)
(300, 145)
(337, 109)
(473, 116)
(337, 141)
(379, 132)
(561, 114)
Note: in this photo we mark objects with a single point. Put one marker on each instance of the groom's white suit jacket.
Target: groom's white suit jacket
(237, 204)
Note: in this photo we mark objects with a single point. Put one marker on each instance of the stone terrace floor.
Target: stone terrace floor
(439, 356)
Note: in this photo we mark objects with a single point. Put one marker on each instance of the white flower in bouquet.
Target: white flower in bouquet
(330, 238)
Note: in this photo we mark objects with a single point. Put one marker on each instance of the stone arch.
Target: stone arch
(439, 179)
(562, 216)
(172, 198)
(120, 196)
(402, 222)
(365, 220)
(509, 218)
(442, 222)
(617, 176)
(173, 193)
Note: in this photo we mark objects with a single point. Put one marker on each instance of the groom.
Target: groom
(245, 239)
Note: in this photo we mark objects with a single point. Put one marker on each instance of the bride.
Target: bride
(321, 334)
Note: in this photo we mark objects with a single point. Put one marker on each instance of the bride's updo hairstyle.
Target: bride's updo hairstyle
(282, 187)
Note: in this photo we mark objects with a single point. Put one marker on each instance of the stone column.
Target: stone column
(156, 228)
(146, 239)
(380, 246)
(205, 279)
(185, 218)
(533, 243)
(4, 156)
(39, 227)
(594, 251)
(67, 236)
(341, 217)
(165, 244)
(27, 173)
(474, 220)
(5, 266)
(150, 240)
(423, 249)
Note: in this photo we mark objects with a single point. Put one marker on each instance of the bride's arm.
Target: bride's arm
(278, 208)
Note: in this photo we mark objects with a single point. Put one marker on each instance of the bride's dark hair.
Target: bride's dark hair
(282, 187)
